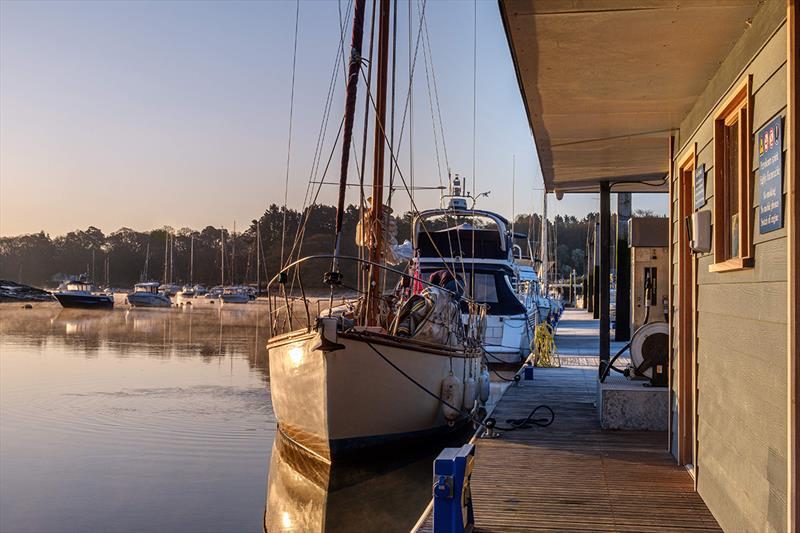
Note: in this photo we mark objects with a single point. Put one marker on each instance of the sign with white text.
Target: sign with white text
(699, 187)
(770, 176)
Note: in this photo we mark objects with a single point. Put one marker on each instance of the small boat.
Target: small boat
(147, 295)
(235, 295)
(199, 290)
(83, 295)
(168, 289)
(187, 293)
(213, 293)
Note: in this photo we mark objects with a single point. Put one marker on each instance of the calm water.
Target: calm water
(133, 420)
(138, 420)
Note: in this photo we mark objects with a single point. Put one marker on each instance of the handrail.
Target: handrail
(299, 262)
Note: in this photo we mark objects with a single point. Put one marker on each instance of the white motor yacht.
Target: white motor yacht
(147, 295)
(234, 295)
(476, 246)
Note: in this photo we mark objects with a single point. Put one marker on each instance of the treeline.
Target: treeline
(126, 256)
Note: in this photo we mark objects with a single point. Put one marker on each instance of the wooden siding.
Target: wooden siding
(741, 344)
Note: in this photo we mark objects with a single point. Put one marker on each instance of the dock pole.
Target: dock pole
(605, 273)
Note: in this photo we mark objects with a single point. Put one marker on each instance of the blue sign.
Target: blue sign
(699, 186)
(770, 176)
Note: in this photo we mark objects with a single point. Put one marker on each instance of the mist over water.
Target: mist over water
(134, 420)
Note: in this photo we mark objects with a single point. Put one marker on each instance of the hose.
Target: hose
(544, 347)
(610, 365)
(527, 422)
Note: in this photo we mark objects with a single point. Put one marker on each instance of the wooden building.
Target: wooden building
(697, 98)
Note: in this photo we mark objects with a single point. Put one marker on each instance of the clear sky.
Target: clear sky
(145, 114)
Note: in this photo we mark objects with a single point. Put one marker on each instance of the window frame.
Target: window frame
(737, 108)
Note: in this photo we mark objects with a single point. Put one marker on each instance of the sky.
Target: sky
(145, 114)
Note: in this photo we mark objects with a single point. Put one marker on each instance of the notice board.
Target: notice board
(770, 176)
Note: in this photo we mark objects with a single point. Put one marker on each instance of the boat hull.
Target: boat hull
(149, 300)
(235, 298)
(334, 402)
(508, 338)
(87, 301)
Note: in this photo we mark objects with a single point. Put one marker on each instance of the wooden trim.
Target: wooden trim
(737, 107)
(793, 246)
(687, 385)
(672, 288)
(737, 263)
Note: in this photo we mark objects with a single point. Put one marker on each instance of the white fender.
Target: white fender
(453, 394)
(470, 393)
(485, 383)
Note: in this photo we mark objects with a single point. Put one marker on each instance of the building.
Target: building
(698, 99)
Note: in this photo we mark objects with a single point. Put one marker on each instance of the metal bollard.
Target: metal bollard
(452, 499)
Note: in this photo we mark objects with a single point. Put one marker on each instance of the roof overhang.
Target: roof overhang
(605, 83)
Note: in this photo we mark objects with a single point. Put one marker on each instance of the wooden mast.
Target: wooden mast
(376, 212)
(349, 116)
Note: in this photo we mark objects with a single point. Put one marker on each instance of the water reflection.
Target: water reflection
(133, 420)
(160, 420)
(207, 331)
(381, 492)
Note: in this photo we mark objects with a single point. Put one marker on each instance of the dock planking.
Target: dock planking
(573, 475)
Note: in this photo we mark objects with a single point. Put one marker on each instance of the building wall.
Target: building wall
(741, 319)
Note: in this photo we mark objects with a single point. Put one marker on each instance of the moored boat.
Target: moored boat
(477, 245)
(147, 295)
(234, 295)
(83, 295)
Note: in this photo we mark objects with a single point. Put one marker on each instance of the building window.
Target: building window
(733, 183)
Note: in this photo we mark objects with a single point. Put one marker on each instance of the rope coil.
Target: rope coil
(544, 347)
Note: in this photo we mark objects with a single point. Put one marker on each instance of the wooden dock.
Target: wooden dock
(572, 475)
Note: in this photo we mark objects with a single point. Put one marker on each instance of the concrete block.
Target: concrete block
(632, 405)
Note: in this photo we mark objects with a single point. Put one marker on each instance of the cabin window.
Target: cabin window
(485, 290)
(733, 183)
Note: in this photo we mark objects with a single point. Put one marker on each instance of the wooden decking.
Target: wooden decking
(572, 475)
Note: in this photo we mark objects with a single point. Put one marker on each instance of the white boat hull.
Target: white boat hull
(235, 298)
(146, 299)
(508, 338)
(335, 402)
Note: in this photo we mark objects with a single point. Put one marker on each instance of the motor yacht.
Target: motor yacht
(147, 294)
(82, 294)
(476, 246)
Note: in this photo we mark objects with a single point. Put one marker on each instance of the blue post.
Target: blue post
(452, 499)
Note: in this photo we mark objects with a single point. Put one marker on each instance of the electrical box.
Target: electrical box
(698, 227)
(452, 498)
(649, 268)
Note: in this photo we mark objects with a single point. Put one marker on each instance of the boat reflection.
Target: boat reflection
(380, 492)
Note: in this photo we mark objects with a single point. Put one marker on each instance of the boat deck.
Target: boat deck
(572, 475)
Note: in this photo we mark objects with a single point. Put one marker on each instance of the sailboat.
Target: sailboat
(188, 292)
(380, 367)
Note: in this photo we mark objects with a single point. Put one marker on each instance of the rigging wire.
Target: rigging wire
(430, 103)
(318, 150)
(394, 102)
(410, 100)
(427, 37)
(289, 144)
(361, 200)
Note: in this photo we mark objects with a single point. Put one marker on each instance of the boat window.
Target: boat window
(485, 289)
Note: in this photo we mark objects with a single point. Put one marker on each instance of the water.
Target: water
(140, 420)
(133, 420)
